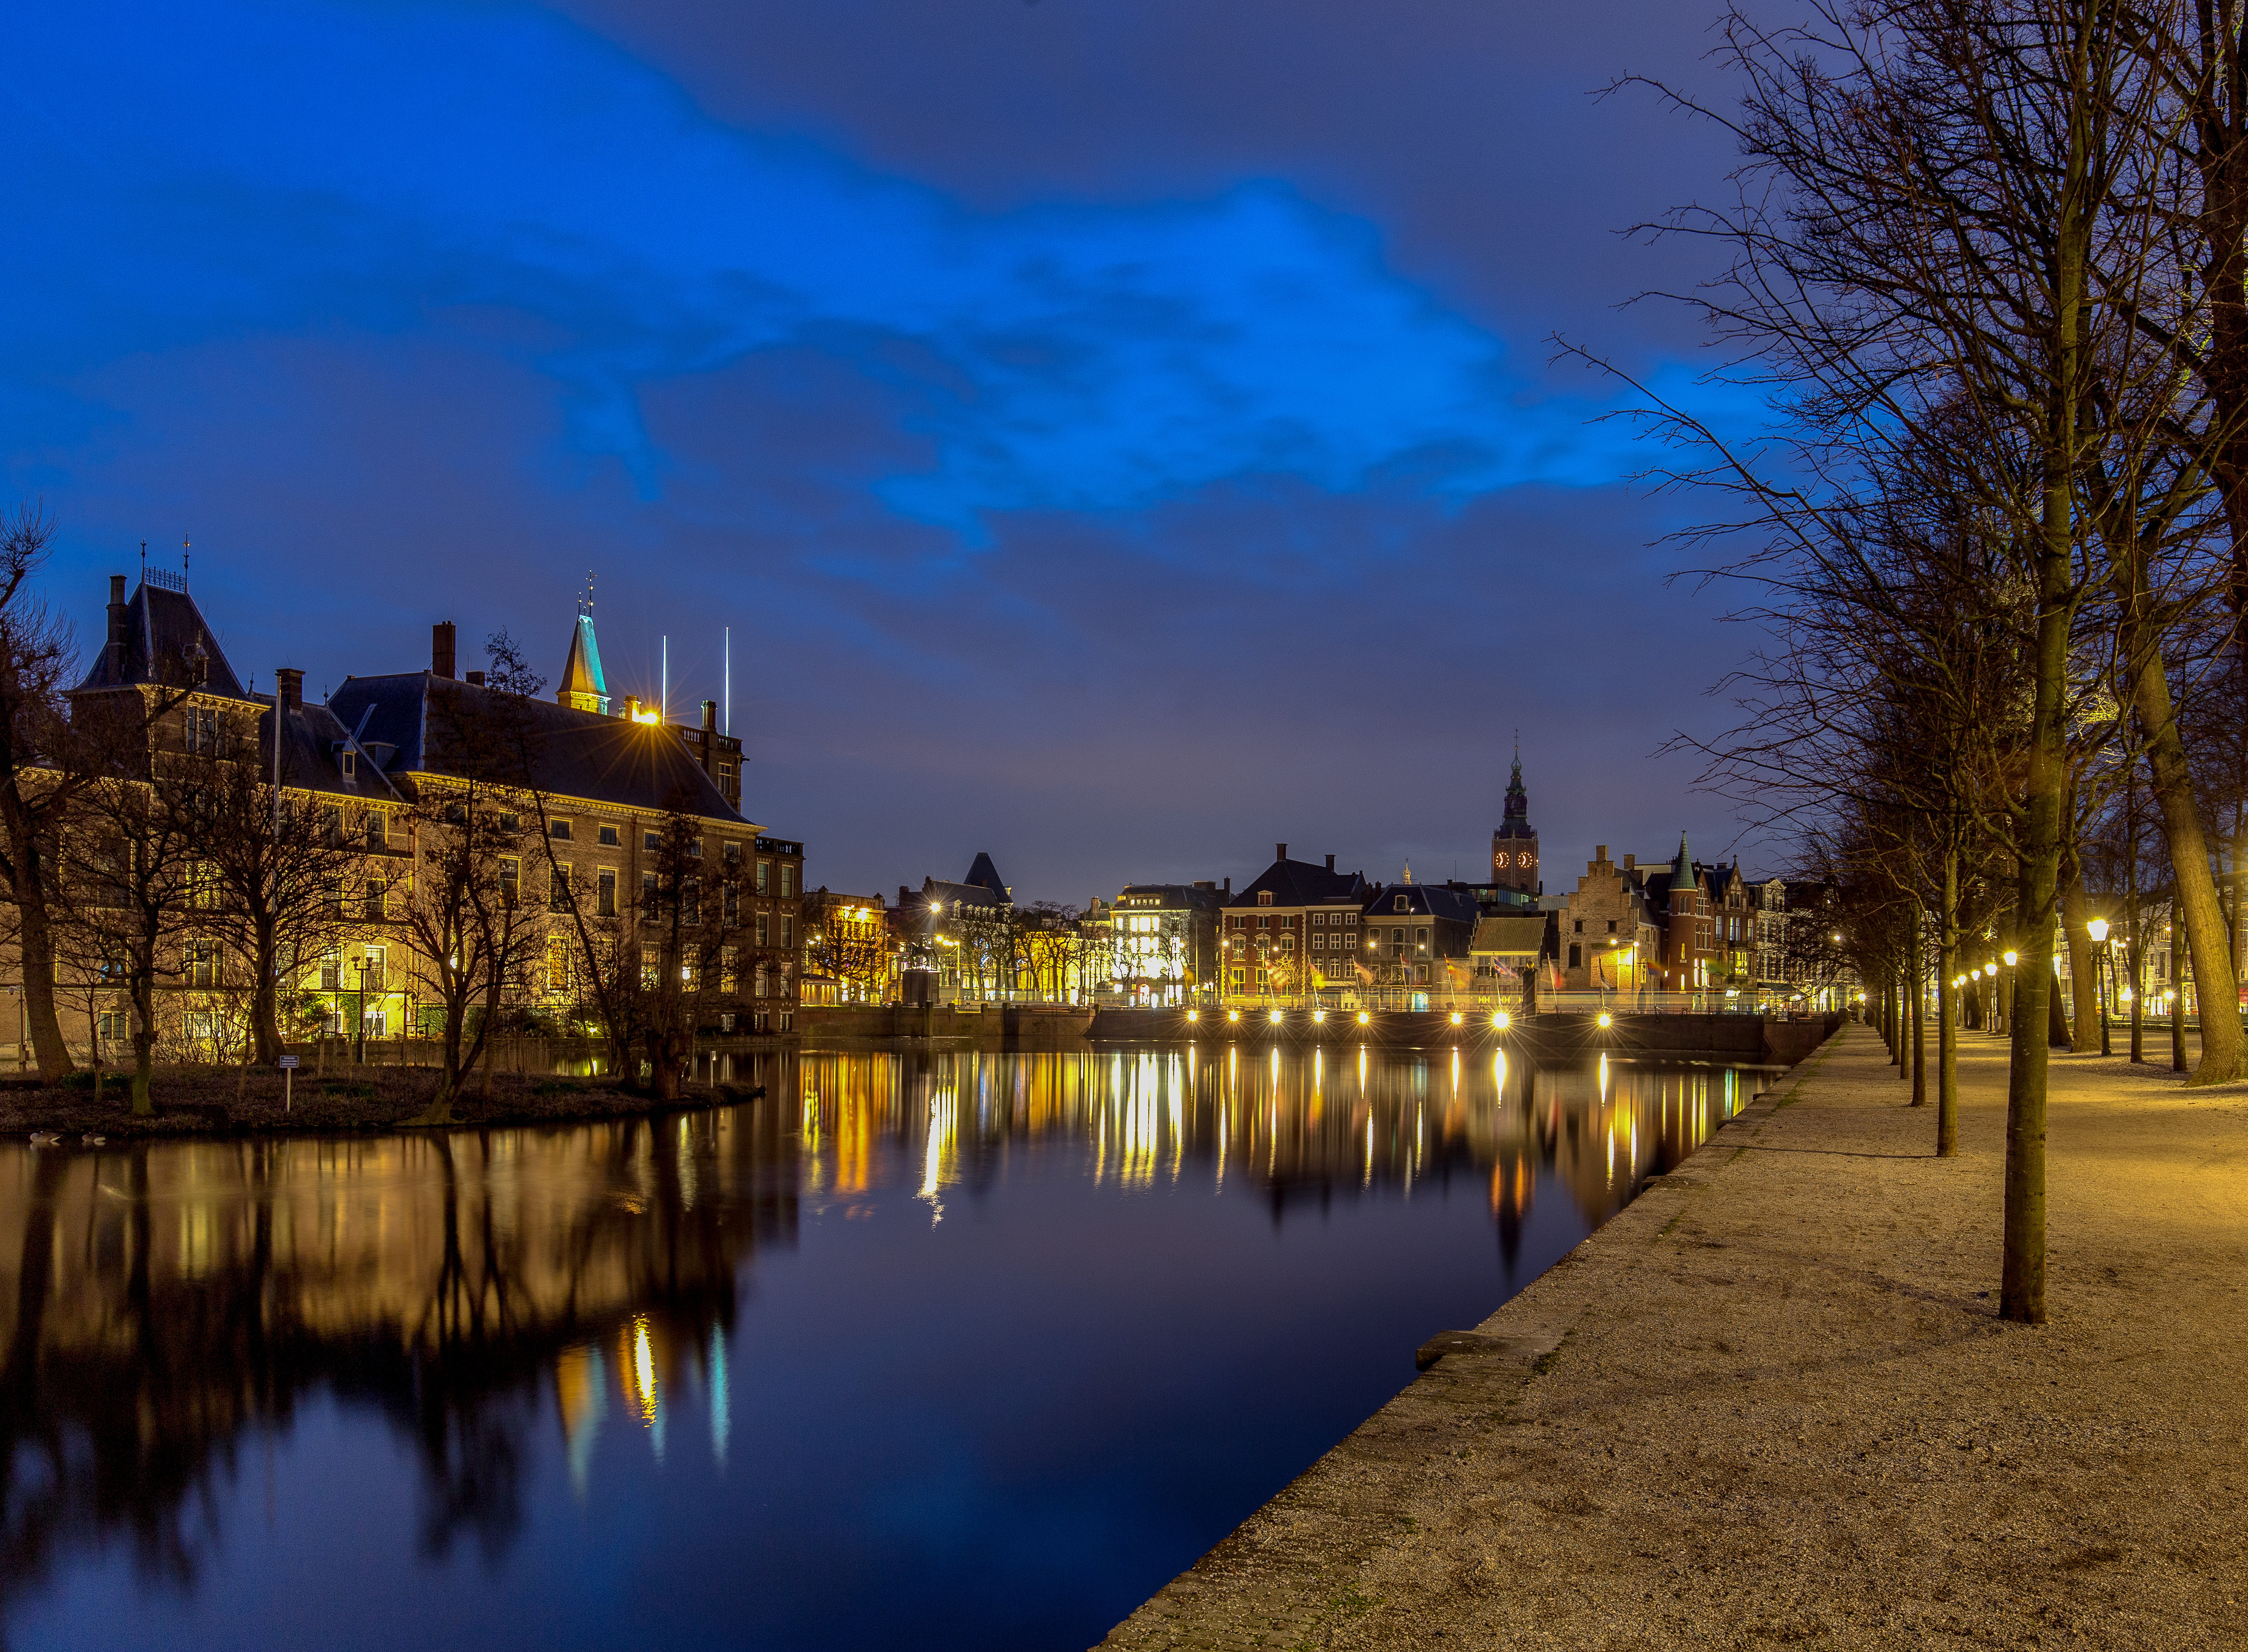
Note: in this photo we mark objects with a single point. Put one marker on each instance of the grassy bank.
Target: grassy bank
(220, 1101)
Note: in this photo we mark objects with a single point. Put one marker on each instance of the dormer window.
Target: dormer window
(347, 764)
(1404, 903)
(1263, 897)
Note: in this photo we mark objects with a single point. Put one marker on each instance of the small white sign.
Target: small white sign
(288, 1060)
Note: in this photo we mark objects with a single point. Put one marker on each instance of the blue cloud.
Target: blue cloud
(513, 184)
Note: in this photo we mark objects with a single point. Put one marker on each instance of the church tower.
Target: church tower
(1514, 846)
(583, 688)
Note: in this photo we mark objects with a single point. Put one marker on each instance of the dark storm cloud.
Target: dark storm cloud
(1113, 433)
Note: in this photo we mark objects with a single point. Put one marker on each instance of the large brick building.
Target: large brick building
(1612, 932)
(1294, 929)
(375, 762)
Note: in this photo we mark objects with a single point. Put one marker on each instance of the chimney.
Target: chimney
(631, 708)
(474, 679)
(1279, 852)
(709, 717)
(1629, 862)
(1228, 888)
(288, 687)
(117, 613)
(441, 649)
(1331, 863)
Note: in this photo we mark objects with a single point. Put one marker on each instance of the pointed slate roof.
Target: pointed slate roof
(583, 688)
(166, 640)
(1681, 869)
(984, 876)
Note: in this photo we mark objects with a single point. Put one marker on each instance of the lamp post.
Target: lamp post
(1991, 975)
(2098, 929)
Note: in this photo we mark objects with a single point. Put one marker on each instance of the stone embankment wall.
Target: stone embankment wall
(1744, 1038)
(1009, 1026)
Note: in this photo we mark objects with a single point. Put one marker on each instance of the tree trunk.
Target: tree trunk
(265, 1001)
(2177, 1008)
(144, 1053)
(1919, 1038)
(36, 950)
(1947, 1013)
(2083, 962)
(2196, 901)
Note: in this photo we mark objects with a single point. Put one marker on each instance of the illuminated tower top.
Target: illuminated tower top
(584, 689)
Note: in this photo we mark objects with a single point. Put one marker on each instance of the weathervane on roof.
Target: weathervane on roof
(183, 562)
(144, 562)
(585, 602)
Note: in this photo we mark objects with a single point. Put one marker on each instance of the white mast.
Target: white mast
(726, 713)
(664, 686)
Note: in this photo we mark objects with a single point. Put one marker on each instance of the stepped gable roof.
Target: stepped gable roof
(984, 875)
(1509, 936)
(426, 721)
(1302, 883)
(165, 633)
(1431, 899)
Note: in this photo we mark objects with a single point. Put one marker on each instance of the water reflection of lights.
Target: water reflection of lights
(936, 1152)
(643, 1369)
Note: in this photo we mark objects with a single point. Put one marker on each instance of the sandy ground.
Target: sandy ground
(1770, 1404)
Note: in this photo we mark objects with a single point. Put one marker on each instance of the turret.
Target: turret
(583, 688)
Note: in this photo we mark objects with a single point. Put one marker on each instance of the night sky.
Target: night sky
(1120, 436)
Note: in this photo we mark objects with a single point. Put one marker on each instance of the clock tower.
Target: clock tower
(1514, 846)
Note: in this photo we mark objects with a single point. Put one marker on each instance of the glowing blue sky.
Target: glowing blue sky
(1119, 442)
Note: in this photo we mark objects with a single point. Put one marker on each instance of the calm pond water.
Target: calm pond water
(943, 1351)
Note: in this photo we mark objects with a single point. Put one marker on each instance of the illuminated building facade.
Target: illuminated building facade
(850, 954)
(1419, 936)
(1611, 930)
(1292, 931)
(379, 756)
(1162, 944)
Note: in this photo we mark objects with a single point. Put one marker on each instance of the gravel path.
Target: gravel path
(1770, 1403)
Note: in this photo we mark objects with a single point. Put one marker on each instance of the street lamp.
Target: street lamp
(2098, 928)
(1991, 973)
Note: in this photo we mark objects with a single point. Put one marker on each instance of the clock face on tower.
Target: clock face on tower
(1499, 859)
(1528, 858)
